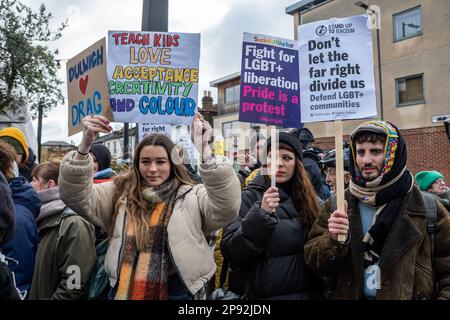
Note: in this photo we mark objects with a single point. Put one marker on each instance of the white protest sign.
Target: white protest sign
(185, 141)
(150, 128)
(336, 70)
(153, 76)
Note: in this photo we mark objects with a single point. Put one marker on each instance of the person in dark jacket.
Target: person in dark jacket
(311, 163)
(66, 240)
(102, 163)
(7, 211)
(304, 135)
(16, 138)
(22, 246)
(24, 155)
(7, 228)
(311, 160)
(387, 254)
(434, 183)
(26, 168)
(329, 164)
(265, 242)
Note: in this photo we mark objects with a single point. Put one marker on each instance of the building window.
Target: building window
(232, 94)
(407, 24)
(410, 90)
(227, 128)
(115, 147)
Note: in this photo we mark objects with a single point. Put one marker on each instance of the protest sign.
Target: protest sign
(336, 70)
(87, 88)
(153, 76)
(185, 141)
(337, 79)
(269, 81)
(150, 128)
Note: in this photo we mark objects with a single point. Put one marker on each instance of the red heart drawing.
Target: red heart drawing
(83, 84)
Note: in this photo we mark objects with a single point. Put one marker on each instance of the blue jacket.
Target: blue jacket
(23, 245)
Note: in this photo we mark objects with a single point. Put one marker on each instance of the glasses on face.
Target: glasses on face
(439, 181)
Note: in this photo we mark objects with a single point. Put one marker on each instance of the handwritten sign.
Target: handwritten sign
(153, 76)
(87, 87)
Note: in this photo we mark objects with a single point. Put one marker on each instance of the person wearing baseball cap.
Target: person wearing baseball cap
(329, 165)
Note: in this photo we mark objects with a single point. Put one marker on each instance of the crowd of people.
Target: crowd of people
(76, 229)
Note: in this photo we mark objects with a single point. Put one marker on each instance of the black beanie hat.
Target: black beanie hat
(290, 140)
(101, 152)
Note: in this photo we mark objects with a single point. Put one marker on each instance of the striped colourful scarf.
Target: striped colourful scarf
(144, 274)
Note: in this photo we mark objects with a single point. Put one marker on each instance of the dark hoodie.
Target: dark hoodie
(7, 212)
(311, 164)
(7, 229)
(22, 247)
(26, 168)
(103, 156)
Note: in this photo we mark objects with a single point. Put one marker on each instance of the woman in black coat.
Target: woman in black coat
(7, 227)
(264, 244)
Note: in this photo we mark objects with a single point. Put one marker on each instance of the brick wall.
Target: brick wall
(428, 149)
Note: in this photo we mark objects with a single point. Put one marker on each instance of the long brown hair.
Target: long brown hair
(303, 193)
(7, 158)
(129, 187)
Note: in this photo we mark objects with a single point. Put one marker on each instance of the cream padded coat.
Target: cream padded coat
(198, 211)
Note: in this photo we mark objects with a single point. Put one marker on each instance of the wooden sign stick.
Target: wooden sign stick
(339, 171)
(274, 155)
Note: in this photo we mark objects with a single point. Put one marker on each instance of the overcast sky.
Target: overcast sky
(221, 24)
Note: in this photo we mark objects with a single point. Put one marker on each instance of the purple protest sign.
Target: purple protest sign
(270, 81)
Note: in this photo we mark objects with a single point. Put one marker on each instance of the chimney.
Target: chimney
(207, 101)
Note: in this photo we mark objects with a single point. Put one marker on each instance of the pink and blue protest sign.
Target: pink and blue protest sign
(153, 76)
(270, 81)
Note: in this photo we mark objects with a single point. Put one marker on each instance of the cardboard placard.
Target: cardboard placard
(87, 87)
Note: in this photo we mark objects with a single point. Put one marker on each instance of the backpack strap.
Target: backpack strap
(430, 206)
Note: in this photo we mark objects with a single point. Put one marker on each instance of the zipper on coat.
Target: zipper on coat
(176, 268)
(168, 246)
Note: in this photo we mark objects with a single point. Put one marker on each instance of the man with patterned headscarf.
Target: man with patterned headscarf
(387, 252)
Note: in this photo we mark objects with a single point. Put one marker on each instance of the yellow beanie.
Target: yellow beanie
(18, 135)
